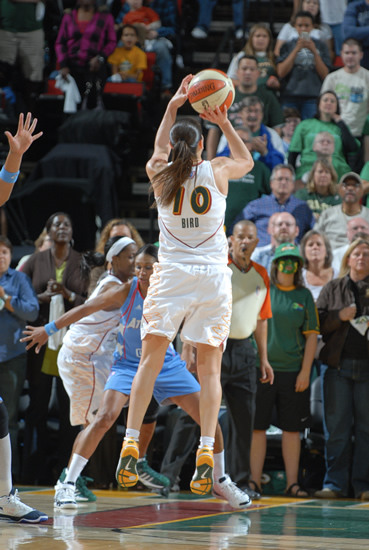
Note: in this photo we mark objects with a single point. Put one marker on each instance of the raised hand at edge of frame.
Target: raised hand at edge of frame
(24, 137)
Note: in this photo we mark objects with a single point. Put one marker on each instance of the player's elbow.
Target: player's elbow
(247, 164)
(243, 167)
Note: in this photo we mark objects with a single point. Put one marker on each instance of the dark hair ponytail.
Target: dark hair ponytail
(185, 136)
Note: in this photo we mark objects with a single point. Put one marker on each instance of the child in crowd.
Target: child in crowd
(303, 64)
(320, 31)
(128, 61)
(260, 45)
(142, 17)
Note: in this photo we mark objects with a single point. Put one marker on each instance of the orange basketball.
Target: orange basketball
(210, 88)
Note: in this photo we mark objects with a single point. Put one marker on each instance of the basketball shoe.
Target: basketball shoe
(126, 473)
(11, 507)
(149, 477)
(65, 496)
(82, 492)
(225, 488)
(202, 481)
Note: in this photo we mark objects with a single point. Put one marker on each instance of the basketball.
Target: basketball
(210, 88)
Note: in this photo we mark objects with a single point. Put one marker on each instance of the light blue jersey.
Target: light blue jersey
(174, 378)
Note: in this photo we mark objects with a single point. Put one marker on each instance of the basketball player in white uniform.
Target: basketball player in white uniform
(191, 283)
(11, 507)
(85, 358)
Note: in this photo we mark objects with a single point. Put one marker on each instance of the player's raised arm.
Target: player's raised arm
(162, 143)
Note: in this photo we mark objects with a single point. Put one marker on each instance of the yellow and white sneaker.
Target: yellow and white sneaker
(126, 473)
(202, 481)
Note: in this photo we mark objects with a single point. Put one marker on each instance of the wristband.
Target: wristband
(8, 177)
(51, 328)
(72, 297)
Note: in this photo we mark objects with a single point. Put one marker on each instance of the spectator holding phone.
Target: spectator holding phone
(303, 64)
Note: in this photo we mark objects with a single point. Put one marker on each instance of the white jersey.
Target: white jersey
(95, 334)
(192, 226)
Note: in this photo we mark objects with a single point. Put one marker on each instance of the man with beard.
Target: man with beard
(333, 221)
(250, 292)
(282, 228)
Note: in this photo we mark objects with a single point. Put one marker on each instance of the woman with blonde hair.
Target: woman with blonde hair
(117, 227)
(317, 255)
(343, 307)
(260, 45)
(320, 192)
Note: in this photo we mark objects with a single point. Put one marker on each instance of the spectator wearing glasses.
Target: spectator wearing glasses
(333, 221)
(282, 184)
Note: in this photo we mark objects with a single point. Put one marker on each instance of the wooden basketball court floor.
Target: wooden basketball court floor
(132, 520)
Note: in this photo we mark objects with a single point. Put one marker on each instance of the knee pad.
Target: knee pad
(152, 412)
(4, 428)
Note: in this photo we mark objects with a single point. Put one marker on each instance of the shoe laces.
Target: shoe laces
(15, 501)
(144, 467)
(83, 480)
(68, 489)
(231, 486)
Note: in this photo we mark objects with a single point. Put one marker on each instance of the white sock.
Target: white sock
(77, 464)
(6, 466)
(219, 471)
(206, 441)
(132, 434)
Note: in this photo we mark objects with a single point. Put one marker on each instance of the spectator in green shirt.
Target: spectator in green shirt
(320, 192)
(292, 341)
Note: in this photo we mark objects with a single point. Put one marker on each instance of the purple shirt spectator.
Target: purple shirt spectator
(75, 48)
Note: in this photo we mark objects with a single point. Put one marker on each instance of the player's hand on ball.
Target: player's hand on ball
(180, 97)
(216, 116)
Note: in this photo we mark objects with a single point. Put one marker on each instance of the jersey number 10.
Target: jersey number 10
(200, 200)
